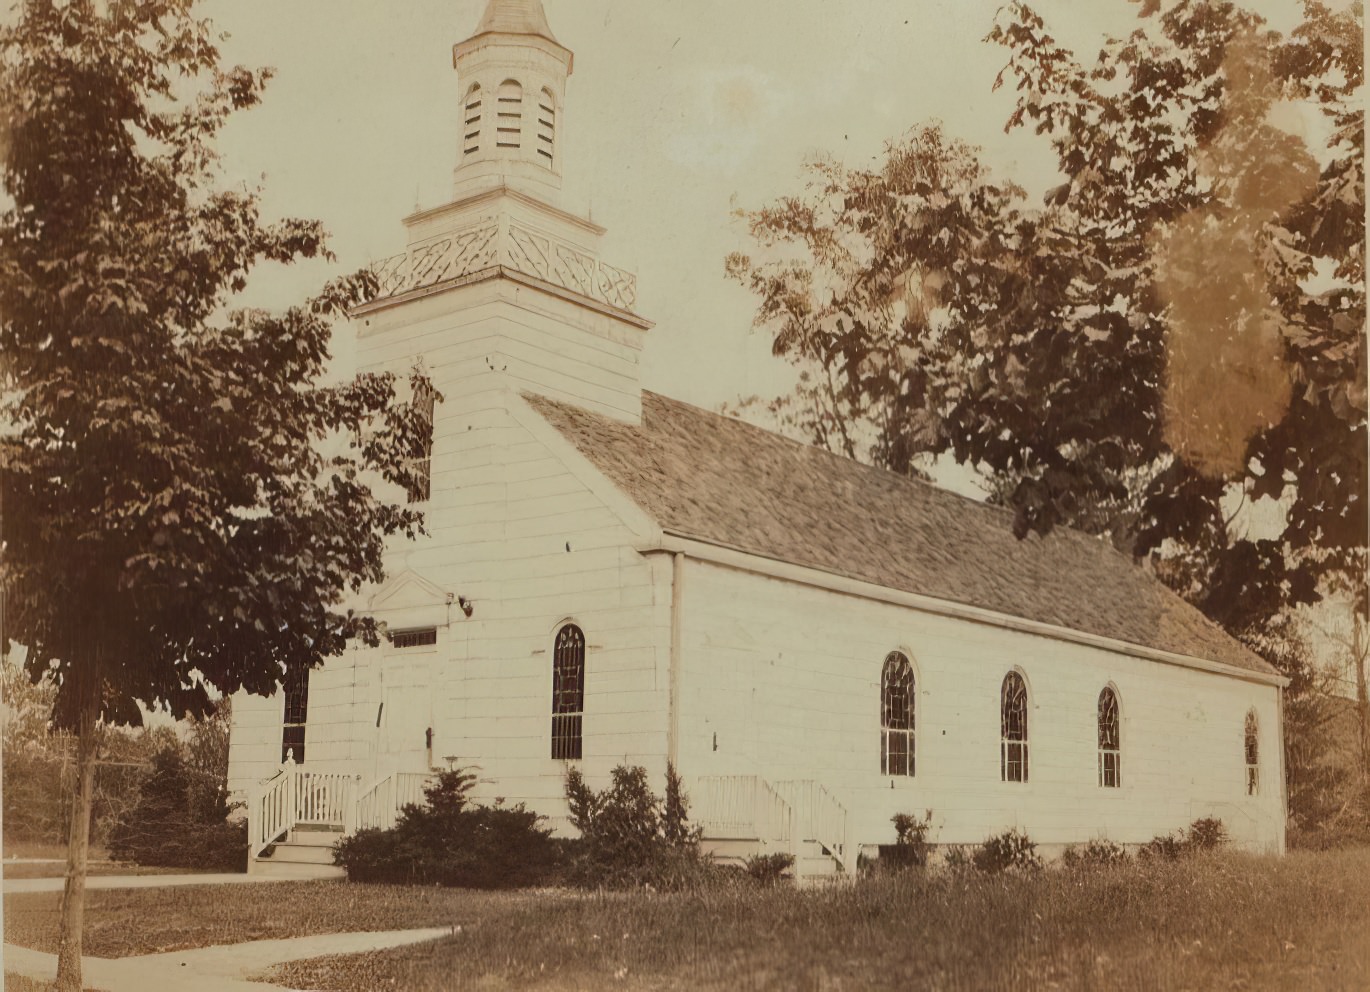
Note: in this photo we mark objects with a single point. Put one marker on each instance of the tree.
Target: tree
(172, 521)
(1177, 327)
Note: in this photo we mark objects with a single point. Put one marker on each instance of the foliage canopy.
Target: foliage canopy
(1178, 323)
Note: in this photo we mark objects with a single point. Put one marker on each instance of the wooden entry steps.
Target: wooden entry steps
(306, 852)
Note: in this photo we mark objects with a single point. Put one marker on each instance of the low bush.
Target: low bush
(957, 858)
(910, 848)
(630, 838)
(1095, 854)
(454, 842)
(767, 869)
(1205, 834)
(1010, 851)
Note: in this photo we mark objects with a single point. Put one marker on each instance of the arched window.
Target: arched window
(509, 115)
(296, 689)
(1013, 729)
(1110, 741)
(897, 699)
(420, 485)
(547, 126)
(568, 692)
(472, 114)
(1253, 755)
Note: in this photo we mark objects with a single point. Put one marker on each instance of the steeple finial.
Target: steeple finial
(515, 17)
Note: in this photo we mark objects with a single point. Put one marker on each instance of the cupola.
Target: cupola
(512, 82)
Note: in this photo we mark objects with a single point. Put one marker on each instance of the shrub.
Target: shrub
(454, 842)
(1207, 834)
(173, 826)
(957, 858)
(1163, 847)
(630, 838)
(1011, 850)
(767, 869)
(1095, 854)
(910, 848)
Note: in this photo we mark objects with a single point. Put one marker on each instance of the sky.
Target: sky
(678, 115)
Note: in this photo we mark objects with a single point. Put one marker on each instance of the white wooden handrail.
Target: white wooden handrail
(744, 807)
(821, 817)
(294, 797)
(378, 807)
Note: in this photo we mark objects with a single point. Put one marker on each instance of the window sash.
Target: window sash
(1110, 769)
(1013, 761)
(898, 752)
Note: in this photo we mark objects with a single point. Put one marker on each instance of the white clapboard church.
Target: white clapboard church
(613, 576)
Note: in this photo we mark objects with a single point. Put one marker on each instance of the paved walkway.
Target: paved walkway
(225, 968)
(146, 881)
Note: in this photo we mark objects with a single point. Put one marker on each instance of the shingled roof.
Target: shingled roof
(715, 479)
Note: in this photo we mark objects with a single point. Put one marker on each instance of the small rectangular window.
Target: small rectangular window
(417, 638)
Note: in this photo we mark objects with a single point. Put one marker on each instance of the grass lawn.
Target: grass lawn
(18, 983)
(1217, 922)
(43, 849)
(27, 869)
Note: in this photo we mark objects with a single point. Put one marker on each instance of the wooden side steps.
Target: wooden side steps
(306, 852)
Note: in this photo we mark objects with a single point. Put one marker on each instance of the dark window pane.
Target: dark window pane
(414, 638)
(568, 692)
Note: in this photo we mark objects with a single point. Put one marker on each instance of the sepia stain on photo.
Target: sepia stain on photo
(643, 495)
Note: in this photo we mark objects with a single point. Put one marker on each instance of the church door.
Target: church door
(404, 734)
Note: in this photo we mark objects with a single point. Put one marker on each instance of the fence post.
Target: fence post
(254, 822)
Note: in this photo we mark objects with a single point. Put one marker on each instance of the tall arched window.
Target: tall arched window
(568, 692)
(420, 485)
(296, 689)
(547, 126)
(472, 115)
(509, 115)
(897, 699)
(1110, 741)
(1013, 729)
(1253, 754)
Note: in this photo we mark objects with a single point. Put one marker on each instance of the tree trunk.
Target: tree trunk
(78, 848)
(1358, 660)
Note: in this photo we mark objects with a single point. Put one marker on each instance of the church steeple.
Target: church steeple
(512, 75)
(501, 291)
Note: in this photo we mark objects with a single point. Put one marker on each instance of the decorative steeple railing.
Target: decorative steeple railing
(504, 242)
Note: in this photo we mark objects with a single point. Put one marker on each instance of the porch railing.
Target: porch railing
(822, 818)
(743, 807)
(296, 797)
(379, 806)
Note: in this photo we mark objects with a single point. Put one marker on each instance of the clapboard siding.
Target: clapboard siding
(785, 679)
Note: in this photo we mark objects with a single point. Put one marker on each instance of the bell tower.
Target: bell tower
(502, 291)
(512, 77)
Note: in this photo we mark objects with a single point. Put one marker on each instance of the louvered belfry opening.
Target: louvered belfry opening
(897, 701)
(509, 115)
(568, 693)
(547, 126)
(1110, 741)
(472, 116)
(1013, 718)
